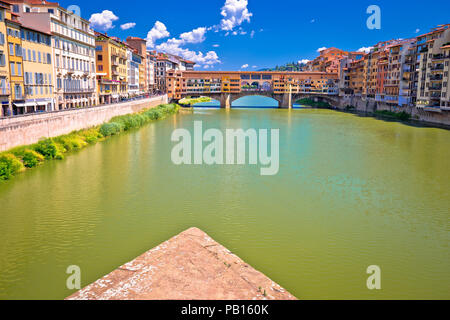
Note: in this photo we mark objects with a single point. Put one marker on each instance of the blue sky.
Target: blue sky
(254, 34)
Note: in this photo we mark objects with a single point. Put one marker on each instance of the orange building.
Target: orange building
(201, 82)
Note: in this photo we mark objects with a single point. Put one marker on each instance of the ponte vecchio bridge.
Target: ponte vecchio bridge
(228, 86)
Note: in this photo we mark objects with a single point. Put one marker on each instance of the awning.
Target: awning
(26, 104)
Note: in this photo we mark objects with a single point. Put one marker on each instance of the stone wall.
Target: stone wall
(29, 129)
(430, 117)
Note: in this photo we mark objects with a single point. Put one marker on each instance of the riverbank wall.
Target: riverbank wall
(29, 129)
(435, 117)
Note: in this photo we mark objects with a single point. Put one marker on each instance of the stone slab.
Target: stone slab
(190, 266)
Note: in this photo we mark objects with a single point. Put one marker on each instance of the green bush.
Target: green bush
(71, 142)
(110, 129)
(31, 158)
(402, 116)
(47, 148)
(91, 135)
(9, 166)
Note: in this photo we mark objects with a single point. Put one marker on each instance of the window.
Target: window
(16, 8)
(11, 49)
(19, 69)
(12, 67)
(18, 50)
(51, 10)
(2, 38)
(18, 91)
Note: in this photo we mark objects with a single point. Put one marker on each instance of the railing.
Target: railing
(81, 90)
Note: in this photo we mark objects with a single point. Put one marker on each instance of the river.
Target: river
(351, 192)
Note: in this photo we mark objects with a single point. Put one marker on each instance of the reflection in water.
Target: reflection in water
(351, 192)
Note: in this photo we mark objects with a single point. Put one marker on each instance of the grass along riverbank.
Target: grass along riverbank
(192, 101)
(22, 158)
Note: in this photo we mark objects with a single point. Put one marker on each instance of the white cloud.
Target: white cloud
(254, 67)
(321, 49)
(252, 34)
(194, 36)
(313, 20)
(159, 31)
(417, 30)
(172, 46)
(234, 13)
(245, 66)
(364, 49)
(216, 45)
(103, 21)
(129, 25)
(303, 61)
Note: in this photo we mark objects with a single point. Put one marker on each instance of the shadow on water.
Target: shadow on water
(412, 122)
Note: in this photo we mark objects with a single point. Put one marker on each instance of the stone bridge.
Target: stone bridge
(285, 100)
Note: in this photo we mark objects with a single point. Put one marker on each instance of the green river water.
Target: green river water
(351, 192)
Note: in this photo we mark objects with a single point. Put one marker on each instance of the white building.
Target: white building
(133, 62)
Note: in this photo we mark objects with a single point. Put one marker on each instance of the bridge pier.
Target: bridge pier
(225, 101)
(286, 101)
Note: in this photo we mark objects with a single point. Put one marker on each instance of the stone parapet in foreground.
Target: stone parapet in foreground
(190, 266)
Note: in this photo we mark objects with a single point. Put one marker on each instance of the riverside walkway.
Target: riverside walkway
(190, 266)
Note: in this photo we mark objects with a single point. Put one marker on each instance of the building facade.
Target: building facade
(38, 70)
(5, 87)
(73, 44)
(112, 69)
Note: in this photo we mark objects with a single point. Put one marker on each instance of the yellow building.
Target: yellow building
(111, 57)
(38, 70)
(5, 92)
(14, 42)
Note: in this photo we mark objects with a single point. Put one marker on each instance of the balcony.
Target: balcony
(438, 56)
(437, 77)
(80, 90)
(435, 88)
(438, 67)
(435, 95)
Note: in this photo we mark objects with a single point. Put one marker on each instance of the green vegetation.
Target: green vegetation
(293, 66)
(18, 159)
(311, 103)
(350, 108)
(9, 166)
(191, 101)
(403, 116)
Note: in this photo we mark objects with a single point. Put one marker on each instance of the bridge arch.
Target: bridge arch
(331, 100)
(264, 101)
